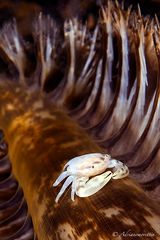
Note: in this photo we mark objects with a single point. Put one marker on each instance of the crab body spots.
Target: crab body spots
(88, 164)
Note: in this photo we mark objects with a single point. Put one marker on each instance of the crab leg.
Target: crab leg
(73, 189)
(65, 185)
(62, 176)
(87, 188)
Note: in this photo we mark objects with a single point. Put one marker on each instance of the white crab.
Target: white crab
(79, 170)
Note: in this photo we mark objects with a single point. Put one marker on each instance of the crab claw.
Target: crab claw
(90, 187)
(121, 172)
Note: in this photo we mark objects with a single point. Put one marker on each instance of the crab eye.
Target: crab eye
(92, 166)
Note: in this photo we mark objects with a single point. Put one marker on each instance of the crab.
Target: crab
(87, 175)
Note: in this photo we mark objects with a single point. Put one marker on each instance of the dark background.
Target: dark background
(62, 9)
